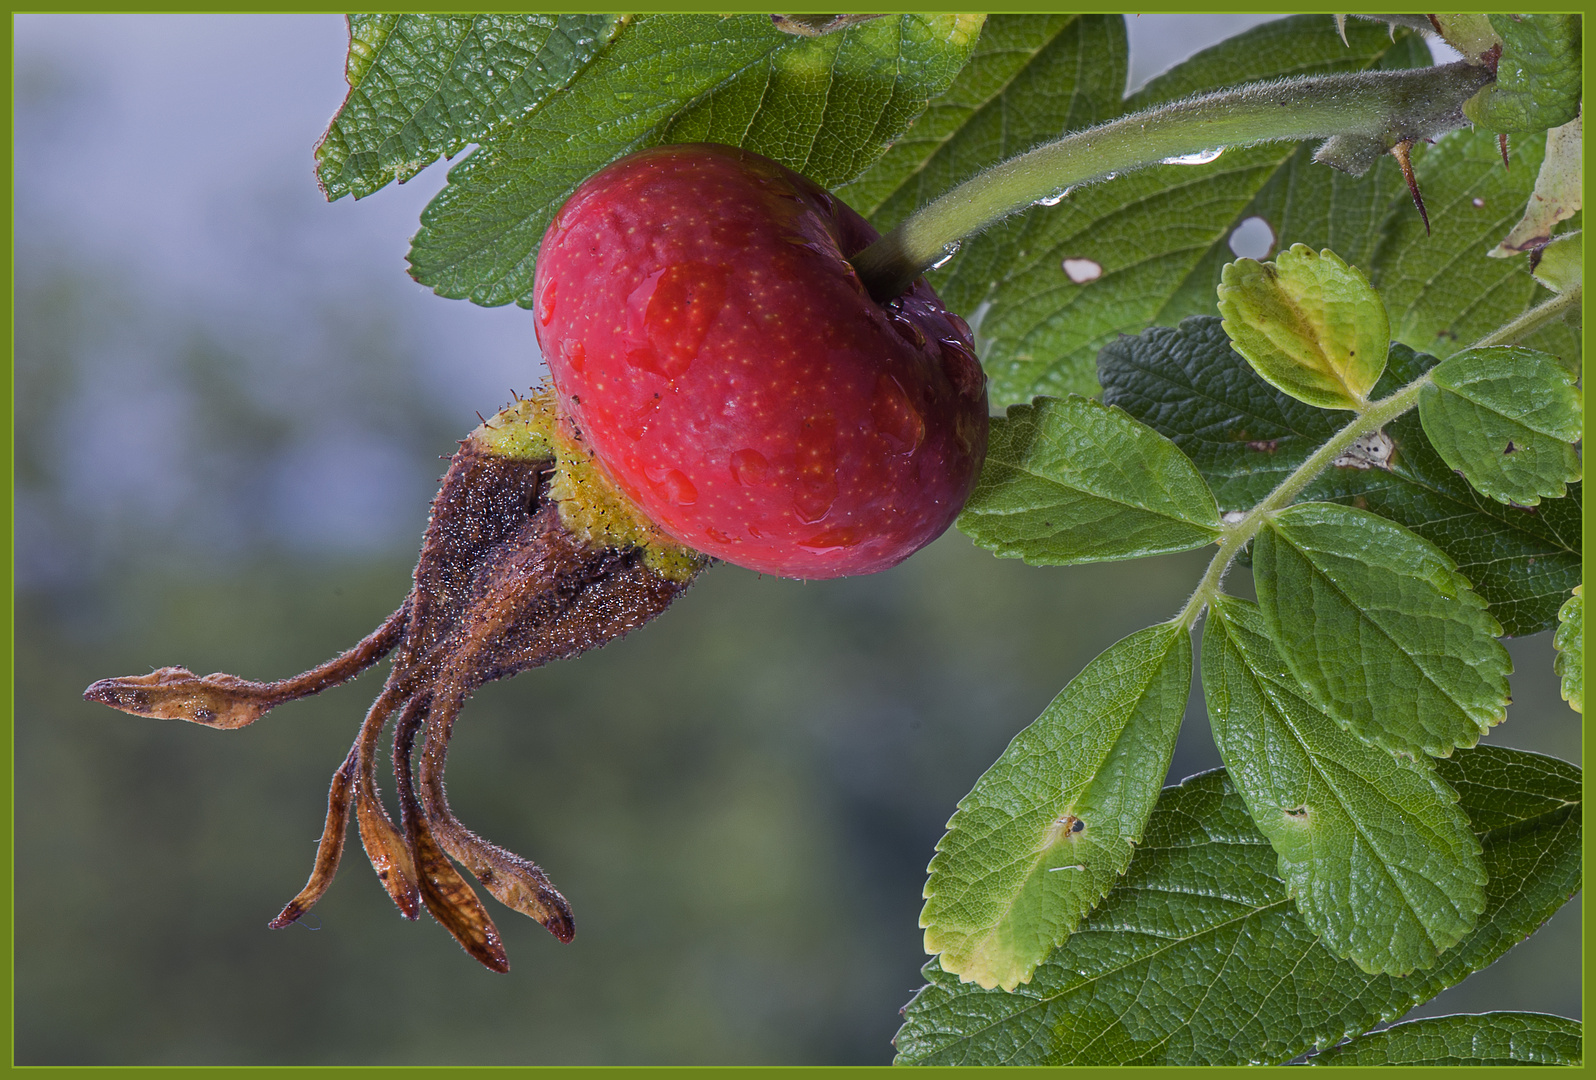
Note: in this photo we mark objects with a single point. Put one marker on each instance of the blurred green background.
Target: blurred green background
(230, 413)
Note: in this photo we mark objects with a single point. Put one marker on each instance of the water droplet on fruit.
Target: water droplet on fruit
(843, 536)
(641, 420)
(1201, 157)
(1082, 271)
(678, 488)
(749, 467)
(677, 306)
(546, 303)
(816, 447)
(962, 368)
(907, 330)
(895, 417)
(948, 251)
(575, 356)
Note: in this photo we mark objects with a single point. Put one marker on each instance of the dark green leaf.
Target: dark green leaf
(1049, 828)
(1372, 846)
(1030, 79)
(1537, 78)
(1198, 956)
(824, 106)
(1245, 437)
(1570, 644)
(425, 85)
(1507, 419)
(1500, 1038)
(1381, 628)
(1133, 244)
(1071, 480)
(1443, 290)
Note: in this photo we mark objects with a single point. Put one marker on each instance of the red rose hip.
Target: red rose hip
(707, 336)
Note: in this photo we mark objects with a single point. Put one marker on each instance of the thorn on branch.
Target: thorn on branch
(1400, 152)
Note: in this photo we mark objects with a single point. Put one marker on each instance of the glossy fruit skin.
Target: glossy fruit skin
(708, 338)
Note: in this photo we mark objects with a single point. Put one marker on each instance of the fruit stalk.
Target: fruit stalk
(1361, 116)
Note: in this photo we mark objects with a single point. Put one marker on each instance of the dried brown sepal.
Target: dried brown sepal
(502, 584)
(329, 850)
(226, 701)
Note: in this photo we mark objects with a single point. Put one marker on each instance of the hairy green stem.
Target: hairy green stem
(1533, 319)
(1372, 419)
(1361, 114)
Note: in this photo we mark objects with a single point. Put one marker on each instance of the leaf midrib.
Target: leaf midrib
(1358, 610)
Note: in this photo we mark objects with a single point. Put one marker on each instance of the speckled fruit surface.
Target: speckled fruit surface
(706, 334)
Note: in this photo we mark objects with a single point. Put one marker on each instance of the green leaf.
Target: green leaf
(1507, 418)
(1244, 436)
(824, 106)
(1381, 628)
(1561, 266)
(1307, 203)
(1198, 957)
(1030, 79)
(1537, 78)
(421, 86)
(1500, 1038)
(1372, 846)
(1136, 244)
(1071, 480)
(1443, 290)
(1049, 827)
(1309, 324)
(1570, 644)
(1472, 34)
(1558, 193)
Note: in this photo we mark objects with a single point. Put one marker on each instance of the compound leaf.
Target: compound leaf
(1047, 288)
(1381, 628)
(1570, 644)
(1198, 957)
(1245, 436)
(1071, 480)
(1507, 419)
(1372, 846)
(1498, 1038)
(421, 86)
(1030, 79)
(824, 106)
(1309, 324)
(1049, 828)
(1537, 77)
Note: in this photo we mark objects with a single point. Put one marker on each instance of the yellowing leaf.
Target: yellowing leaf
(1556, 196)
(1309, 324)
(1049, 828)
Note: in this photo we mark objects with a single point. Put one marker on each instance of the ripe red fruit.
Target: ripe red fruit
(707, 336)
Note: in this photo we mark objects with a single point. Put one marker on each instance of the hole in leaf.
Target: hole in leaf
(1083, 270)
(1253, 239)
